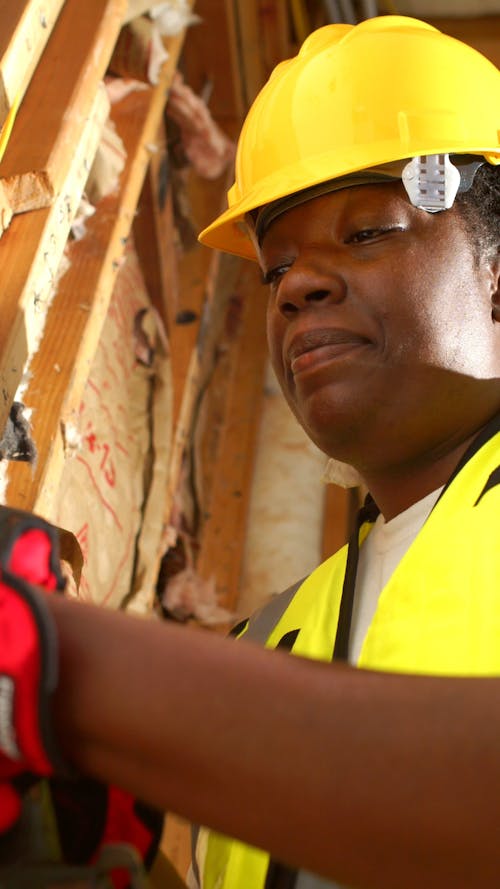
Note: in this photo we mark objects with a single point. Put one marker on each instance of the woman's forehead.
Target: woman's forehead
(382, 198)
(337, 214)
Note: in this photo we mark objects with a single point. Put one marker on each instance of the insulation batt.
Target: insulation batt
(206, 147)
(188, 596)
(171, 18)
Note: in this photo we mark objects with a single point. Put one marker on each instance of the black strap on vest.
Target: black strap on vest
(279, 876)
(368, 513)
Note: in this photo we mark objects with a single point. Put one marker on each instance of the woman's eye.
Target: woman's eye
(370, 234)
(365, 234)
(274, 275)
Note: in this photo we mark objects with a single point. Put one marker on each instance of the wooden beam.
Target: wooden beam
(199, 275)
(155, 236)
(187, 351)
(60, 367)
(25, 28)
(262, 40)
(211, 60)
(58, 101)
(242, 362)
(275, 29)
(300, 16)
(30, 253)
(249, 45)
(198, 269)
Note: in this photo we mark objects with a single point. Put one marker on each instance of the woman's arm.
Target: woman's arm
(376, 780)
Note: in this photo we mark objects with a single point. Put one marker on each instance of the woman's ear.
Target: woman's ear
(495, 293)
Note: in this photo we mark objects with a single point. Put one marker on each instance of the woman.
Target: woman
(366, 188)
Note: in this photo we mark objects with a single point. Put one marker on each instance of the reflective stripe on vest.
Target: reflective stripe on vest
(438, 614)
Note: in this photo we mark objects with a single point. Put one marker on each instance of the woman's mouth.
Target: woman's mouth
(314, 348)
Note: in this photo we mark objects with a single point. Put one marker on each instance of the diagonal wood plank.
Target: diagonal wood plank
(60, 367)
(58, 101)
(25, 28)
(30, 252)
(155, 235)
(242, 367)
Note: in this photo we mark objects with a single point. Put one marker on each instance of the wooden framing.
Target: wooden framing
(211, 62)
(25, 28)
(30, 253)
(155, 236)
(249, 42)
(233, 431)
(235, 56)
(217, 410)
(261, 34)
(59, 368)
(276, 43)
(58, 101)
(198, 278)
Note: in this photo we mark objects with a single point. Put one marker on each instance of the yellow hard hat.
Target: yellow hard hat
(354, 98)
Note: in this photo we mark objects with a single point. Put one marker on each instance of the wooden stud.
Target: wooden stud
(60, 367)
(58, 101)
(25, 29)
(211, 61)
(274, 26)
(258, 38)
(155, 236)
(198, 269)
(187, 350)
(199, 280)
(249, 40)
(30, 253)
(242, 366)
(300, 18)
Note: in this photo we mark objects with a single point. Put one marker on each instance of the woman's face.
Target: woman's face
(379, 323)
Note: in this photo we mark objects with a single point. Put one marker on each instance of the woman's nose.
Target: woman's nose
(302, 287)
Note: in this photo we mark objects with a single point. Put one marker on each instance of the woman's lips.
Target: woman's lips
(312, 349)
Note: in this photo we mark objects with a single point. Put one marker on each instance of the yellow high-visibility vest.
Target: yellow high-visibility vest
(438, 614)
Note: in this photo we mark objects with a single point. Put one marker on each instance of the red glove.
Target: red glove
(89, 815)
(28, 654)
